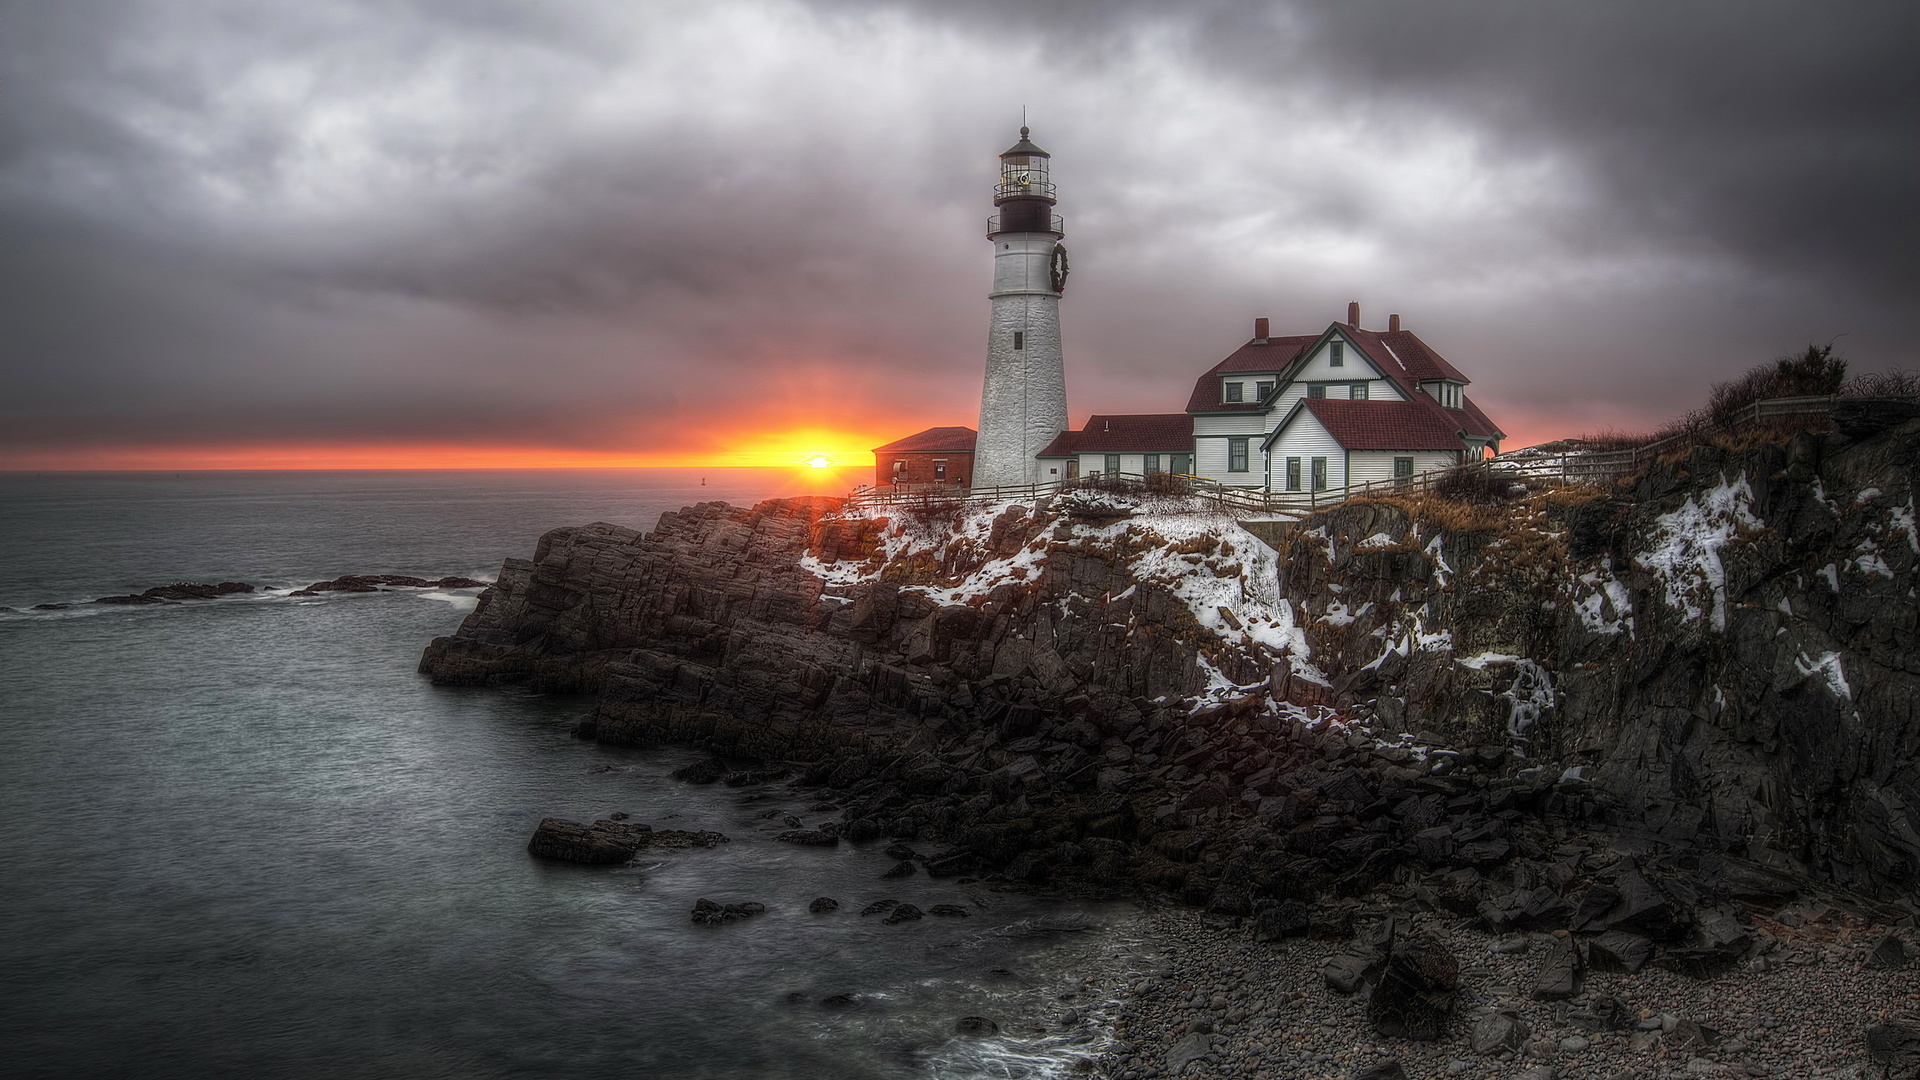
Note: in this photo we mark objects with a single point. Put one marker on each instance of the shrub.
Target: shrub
(1893, 384)
(1814, 373)
(1474, 485)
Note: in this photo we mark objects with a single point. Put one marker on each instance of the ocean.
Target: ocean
(244, 838)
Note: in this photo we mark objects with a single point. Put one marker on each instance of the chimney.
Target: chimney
(1393, 324)
(1260, 331)
(1353, 314)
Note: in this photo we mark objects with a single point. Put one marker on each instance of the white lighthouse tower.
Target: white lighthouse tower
(1023, 404)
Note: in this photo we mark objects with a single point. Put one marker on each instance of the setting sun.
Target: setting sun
(820, 461)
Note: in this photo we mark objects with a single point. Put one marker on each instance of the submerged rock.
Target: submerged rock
(708, 913)
(607, 841)
(600, 843)
(977, 1026)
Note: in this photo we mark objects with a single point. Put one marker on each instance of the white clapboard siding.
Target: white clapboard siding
(1378, 464)
(1243, 423)
(1306, 438)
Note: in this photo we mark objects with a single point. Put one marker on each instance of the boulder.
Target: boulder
(1196, 1046)
(1415, 993)
(1619, 950)
(822, 905)
(902, 913)
(708, 913)
(1347, 971)
(879, 907)
(1497, 1032)
(949, 911)
(901, 869)
(1894, 1045)
(1289, 918)
(1385, 1069)
(1890, 954)
(1561, 972)
(602, 843)
(978, 1027)
(702, 772)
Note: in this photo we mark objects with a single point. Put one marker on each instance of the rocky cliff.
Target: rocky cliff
(1711, 666)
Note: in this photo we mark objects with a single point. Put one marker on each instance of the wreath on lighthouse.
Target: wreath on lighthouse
(1057, 267)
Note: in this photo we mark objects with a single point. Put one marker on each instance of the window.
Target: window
(1183, 464)
(1319, 474)
(1113, 464)
(1261, 390)
(1317, 390)
(1337, 354)
(939, 469)
(1358, 392)
(1403, 468)
(1073, 468)
(1237, 455)
(1233, 391)
(1019, 339)
(1293, 474)
(1150, 464)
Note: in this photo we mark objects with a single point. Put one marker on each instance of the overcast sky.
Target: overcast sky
(632, 228)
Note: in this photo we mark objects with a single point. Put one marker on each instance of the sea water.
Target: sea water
(244, 838)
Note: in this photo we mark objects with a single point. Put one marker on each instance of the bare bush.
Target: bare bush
(1474, 485)
(931, 511)
(1814, 373)
(1889, 384)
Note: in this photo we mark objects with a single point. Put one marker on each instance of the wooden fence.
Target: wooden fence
(1568, 468)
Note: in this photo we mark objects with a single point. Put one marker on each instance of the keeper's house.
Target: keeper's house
(941, 455)
(1341, 407)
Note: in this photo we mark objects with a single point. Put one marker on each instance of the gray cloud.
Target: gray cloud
(607, 225)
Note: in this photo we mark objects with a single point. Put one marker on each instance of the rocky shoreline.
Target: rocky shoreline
(1564, 757)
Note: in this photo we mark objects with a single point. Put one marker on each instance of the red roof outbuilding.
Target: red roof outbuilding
(1141, 433)
(934, 440)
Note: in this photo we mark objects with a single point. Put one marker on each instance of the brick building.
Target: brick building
(941, 455)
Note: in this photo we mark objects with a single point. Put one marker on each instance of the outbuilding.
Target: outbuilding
(936, 456)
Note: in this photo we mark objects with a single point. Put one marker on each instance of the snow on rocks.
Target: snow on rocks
(1687, 542)
(1608, 609)
(1224, 576)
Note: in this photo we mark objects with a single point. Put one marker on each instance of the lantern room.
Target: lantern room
(1023, 173)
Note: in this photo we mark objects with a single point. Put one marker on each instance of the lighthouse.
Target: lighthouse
(1023, 403)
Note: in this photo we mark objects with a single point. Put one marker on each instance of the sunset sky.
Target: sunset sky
(496, 232)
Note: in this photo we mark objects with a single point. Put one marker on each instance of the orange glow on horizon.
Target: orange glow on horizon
(803, 449)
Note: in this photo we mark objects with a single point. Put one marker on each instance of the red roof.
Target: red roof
(1413, 355)
(1274, 355)
(1149, 433)
(1420, 424)
(934, 440)
(1399, 354)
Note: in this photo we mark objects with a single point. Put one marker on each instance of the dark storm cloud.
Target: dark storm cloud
(610, 224)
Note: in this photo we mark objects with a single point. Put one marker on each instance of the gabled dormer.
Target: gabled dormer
(1450, 393)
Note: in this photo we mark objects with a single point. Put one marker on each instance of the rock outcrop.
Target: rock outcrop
(1628, 714)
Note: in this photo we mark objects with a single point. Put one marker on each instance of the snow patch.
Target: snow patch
(1830, 672)
(1609, 593)
(1685, 555)
(1441, 570)
(1868, 561)
(1530, 695)
(1901, 519)
(1481, 661)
